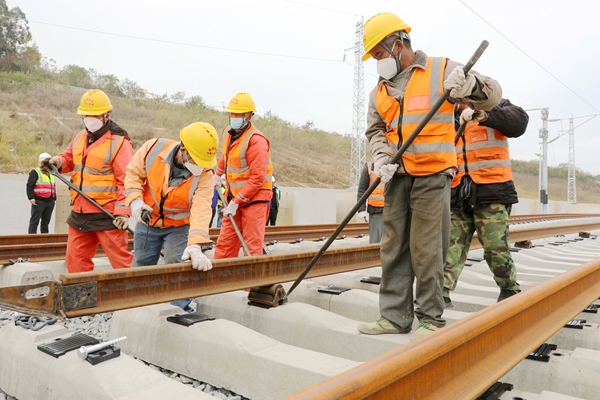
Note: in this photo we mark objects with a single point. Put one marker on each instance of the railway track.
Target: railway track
(475, 348)
(53, 246)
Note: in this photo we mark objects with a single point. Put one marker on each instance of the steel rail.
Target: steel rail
(465, 358)
(87, 293)
(53, 246)
(102, 291)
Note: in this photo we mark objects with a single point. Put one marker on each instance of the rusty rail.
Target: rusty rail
(53, 246)
(463, 359)
(95, 292)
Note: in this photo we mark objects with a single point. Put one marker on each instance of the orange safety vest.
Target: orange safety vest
(483, 153)
(432, 150)
(170, 204)
(45, 187)
(92, 166)
(236, 165)
(376, 197)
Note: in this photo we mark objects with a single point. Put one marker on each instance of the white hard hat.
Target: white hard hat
(44, 156)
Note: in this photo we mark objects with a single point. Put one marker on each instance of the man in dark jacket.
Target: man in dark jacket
(41, 192)
(482, 194)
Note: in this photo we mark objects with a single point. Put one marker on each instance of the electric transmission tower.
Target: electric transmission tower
(358, 156)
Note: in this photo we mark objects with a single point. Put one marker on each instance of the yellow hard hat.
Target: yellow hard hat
(378, 27)
(94, 102)
(201, 141)
(241, 103)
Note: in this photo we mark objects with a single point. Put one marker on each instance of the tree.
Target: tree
(74, 75)
(14, 37)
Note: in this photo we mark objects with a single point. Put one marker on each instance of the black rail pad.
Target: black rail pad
(375, 280)
(333, 290)
(62, 346)
(576, 323)
(542, 352)
(468, 264)
(103, 355)
(475, 259)
(592, 308)
(189, 318)
(495, 391)
(514, 249)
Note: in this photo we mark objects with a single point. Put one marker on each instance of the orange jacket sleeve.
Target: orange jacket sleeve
(201, 209)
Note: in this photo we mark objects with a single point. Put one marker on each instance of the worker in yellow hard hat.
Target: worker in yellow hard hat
(98, 156)
(169, 187)
(416, 221)
(246, 167)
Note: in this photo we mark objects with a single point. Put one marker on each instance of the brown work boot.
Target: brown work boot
(505, 294)
(380, 327)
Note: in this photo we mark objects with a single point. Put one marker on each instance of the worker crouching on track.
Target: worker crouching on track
(482, 194)
(416, 214)
(169, 187)
(246, 164)
(98, 156)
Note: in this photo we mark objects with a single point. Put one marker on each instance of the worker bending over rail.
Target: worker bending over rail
(246, 166)
(482, 194)
(98, 156)
(169, 187)
(416, 215)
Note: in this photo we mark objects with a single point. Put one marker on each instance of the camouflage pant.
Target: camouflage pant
(491, 223)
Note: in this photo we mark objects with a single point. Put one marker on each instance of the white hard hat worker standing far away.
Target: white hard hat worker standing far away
(417, 190)
(169, 187)
(246, 165)
(98, 156)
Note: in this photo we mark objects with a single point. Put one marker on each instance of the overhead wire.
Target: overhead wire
(530, 57)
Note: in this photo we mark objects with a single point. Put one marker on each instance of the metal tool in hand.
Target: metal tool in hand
(84, 351)
(394, 160)
(235, 227)
(145, 217)
(57, 174)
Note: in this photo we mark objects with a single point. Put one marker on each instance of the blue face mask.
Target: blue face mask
(236, 123)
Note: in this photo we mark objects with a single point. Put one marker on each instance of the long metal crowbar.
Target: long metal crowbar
(235, 227)
(484, 44)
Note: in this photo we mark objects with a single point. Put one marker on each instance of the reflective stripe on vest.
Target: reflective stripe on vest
(432, 150)
(176, 201)
(483, 153)
(236, 164)
(92, 167)
(45, 187)
(376, 197)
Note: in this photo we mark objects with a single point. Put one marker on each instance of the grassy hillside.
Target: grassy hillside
(38, 115)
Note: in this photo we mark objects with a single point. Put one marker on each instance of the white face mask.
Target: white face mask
(92, 124)
(387, 67)
(236, 123)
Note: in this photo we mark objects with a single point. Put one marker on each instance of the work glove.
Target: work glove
(470, 115)
(46, 164)
(121, 222)
(217, 179)
(137, 207)
(460, 86)
(231, 209)
(363, 216)
(199, 261)
(386, 172)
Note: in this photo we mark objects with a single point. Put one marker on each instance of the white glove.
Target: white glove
(121, 222)
(217, 179)
(470, 115)
(230, 209)
(386, 172)
(199, 260)
(460, 86)
(363, 216)
(137, 206)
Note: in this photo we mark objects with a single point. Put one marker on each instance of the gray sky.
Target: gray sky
(288, 54)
